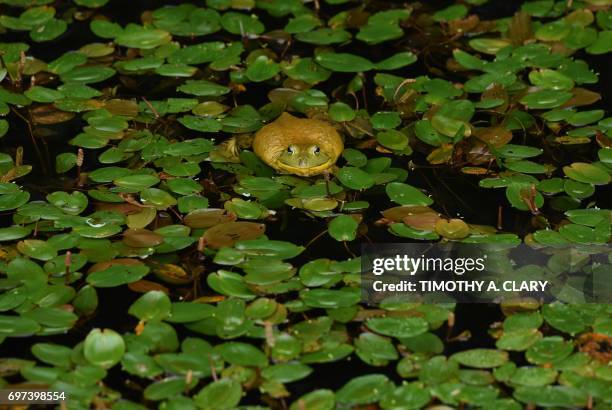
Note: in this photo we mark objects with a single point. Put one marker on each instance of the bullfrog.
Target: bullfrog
(299, 146)
(290, 145)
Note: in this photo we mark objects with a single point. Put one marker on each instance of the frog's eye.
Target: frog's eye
(290, 150)
(316, 150)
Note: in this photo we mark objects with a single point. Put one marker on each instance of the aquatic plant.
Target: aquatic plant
(149, 258)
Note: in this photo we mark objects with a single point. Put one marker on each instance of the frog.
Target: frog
(290, 145)
(298, 146)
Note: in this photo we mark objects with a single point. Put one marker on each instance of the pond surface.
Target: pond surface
(133, 209)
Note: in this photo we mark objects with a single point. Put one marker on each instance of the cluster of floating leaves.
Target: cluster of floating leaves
(152, 200)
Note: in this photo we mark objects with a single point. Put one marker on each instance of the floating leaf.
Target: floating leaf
(398, 326)
(324, 36)
(587, 173)
(228, 233)
(142, 37)
(153, 305)
(344, 62)
(242, 354)
(481, 358)
(355, 178)
(405, 194)
(343, 228)
(364, 390)
(103, 347)
(220, 394)
(545, 99)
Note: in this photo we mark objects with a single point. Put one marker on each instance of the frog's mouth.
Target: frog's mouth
(304, 162)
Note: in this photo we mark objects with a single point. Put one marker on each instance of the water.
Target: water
(455, 195)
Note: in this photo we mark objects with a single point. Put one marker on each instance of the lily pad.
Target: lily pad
(481, 358)
(398, 326)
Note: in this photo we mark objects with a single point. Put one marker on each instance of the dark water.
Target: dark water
(454, 194)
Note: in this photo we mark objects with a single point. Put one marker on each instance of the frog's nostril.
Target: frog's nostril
(302, 162)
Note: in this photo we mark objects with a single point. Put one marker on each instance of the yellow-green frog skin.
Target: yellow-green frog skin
(299, 146)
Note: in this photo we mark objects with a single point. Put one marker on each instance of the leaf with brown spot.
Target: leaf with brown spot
(115, 262)
(474, 170)
(47, 115)
(465, 25)
(453, 228)
(441, 155)
(496, 92)
(126, 108)
(144, 286)
(582, 96)
(567, 140)
(171, 273)
(603, 140)
(398, 213)
(124, 209)
(205, 218)
(141, 219)
(425, 221)
(141, 238)
(495, 136)
(479, 153)
(228, 233)
(520, 28)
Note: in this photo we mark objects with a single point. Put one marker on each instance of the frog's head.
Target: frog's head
(303, 156)
(299, 146)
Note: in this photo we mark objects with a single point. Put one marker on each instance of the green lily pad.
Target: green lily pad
(488, 45)
(519, 339)
(37, 249)
(534, 376)
(454, 12)
(343, 228)
(344, 62)
(437, 370)
(142, 37)
(316, 400)
(305, 69)
(203, 88)
(364, 390)
(407, 396)
(551, 79)
(551, 396)
(286, 372)
(545, 99)
(220, 394)
(153, 305)
(17, 326)
(262, 68)
(396, 61)
(587, 173)
(324, 36)
(602, 44)
(564, 317)
(549, 350)
(13, 232)
(481, 358)
(405, 194)
(398, 326)
(242, 354)
(330, 298)
(72, 204)
(117, 275)
(103, 347)
(241, 24)
(374, 349)
(355, 178)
